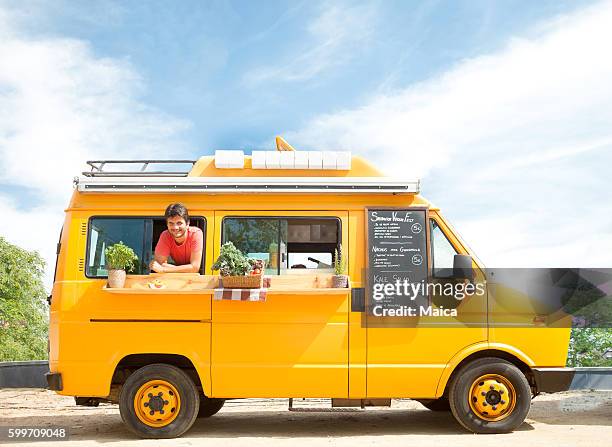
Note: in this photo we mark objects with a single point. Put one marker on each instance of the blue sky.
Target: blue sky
(199, 60)
(502, 108)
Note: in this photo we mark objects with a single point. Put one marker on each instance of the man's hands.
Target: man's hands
(165, 267)
(159, 268)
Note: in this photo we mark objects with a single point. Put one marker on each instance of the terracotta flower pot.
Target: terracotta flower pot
(116, 278)
(340, 281)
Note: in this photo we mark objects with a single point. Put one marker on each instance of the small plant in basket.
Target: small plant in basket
(231, 261)
(237, 270)
(119, 259)
(340, 278)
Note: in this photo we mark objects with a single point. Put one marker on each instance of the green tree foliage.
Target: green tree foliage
(587, 346)
(23, 309)
(254, 235)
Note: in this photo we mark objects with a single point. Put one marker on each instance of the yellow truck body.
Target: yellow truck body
(302, 342)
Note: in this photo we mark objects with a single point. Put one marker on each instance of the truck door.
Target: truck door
(295, 343)
(407, 359)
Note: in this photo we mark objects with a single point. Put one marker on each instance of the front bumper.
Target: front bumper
(54, 380)
(553, 380)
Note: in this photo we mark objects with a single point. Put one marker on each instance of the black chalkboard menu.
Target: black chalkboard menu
(397, 258)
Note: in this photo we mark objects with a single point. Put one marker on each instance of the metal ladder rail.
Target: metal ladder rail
(97, 168)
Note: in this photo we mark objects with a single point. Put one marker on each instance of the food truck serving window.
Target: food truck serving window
(287, 245)
(139, 233)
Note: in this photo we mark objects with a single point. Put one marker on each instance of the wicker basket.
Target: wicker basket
(242, 282)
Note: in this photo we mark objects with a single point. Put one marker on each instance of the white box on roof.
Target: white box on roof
(315, 160)
(272, 160)
(258, 159)
(301, 160)
(340, 160)
(226, 159)
(287, 159)
(329, 160)
(343, 160)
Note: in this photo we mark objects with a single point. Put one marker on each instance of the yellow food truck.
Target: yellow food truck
(171, 347)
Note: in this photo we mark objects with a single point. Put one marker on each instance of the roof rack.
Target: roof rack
(97, 168)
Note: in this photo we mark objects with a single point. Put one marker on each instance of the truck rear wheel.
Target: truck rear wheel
(490, 395)
(209, 406)
(159, 401)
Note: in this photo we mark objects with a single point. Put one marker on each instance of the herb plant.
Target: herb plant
(339, 262)
(231, 261)
(120, 257)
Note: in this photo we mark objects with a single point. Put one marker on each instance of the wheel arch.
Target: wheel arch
(480, 350)
(132, 362)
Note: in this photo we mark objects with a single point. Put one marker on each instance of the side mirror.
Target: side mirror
(462, 267)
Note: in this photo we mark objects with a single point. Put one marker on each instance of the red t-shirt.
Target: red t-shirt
(166, 246)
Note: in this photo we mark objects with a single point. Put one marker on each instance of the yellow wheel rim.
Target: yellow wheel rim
(492, 397)
(157, 403)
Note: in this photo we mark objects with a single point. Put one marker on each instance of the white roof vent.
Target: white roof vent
(229, 159)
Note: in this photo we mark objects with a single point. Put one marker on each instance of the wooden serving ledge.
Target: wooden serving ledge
(190, 283)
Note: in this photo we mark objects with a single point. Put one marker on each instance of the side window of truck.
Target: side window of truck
(140, 234)
(442, 252)
(287, 245)
(104, 232)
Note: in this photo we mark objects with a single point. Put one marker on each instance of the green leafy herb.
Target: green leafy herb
(120, 257)
(339, 262)
(231, 261)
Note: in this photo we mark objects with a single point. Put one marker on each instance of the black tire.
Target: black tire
(209, 406)
(185, 389)
(461, 385)
(440, 404)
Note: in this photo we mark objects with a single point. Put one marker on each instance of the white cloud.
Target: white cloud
(335, 37)
(515, 144)
(60, 105)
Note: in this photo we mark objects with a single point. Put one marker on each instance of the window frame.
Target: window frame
(145, 234)
(275, 217)
(431, 245)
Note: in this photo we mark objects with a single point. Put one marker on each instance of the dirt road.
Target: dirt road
(564, 419)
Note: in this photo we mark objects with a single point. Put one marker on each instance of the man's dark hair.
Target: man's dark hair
(177, 209)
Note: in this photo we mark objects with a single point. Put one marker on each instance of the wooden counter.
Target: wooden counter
(192, 283)
(270, 291)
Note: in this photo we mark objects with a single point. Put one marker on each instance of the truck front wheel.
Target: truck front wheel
(490, 395)
(159, 401)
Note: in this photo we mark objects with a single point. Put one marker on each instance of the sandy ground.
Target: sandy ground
(563, 419)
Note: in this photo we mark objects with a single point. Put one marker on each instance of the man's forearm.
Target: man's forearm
(186, 268)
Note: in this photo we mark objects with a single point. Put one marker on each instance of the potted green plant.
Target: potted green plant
(119, 259)
(237, 270)
(340, 278)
